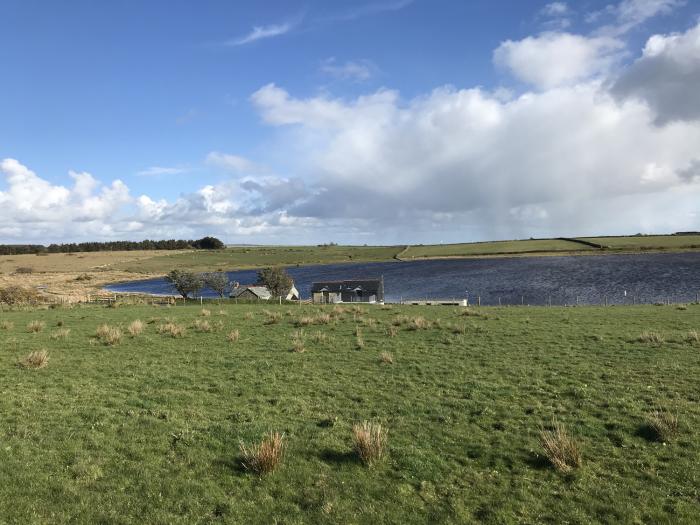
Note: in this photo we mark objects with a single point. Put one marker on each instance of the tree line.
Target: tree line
(205, 243)
(189, 284)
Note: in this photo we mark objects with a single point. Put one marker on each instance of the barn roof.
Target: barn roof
(366, 285)
(261, 292)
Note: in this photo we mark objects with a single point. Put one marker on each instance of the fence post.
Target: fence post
(606, 300)
(522, 300)
(478, 300)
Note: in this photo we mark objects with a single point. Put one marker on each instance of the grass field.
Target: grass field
(255, 257)
(648, 242)
(148, 429)
(493, 248)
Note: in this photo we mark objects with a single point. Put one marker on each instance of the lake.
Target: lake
(619, 279)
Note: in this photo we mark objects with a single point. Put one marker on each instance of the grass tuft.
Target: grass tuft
(61, 333)
(108, 335)
(692, 337)
(651, 338)
(35, 360)
(202, 325)
(264, 457)
(419, 323)
(319, 337)
(298, 342)
(135, 327)
(561, 449)
(663, 425)
(7, 325)
(233, 336)
(369, 442)
(35, 326)
(205, 312)
(386, 358)
(171, 329)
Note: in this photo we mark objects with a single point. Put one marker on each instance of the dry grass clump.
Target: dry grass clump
(35, 360)
(61, 333)
(202, 325)
(386, 307)
(392, 331)
(386, 358)
(652, 338)
(264, 457)
(298, 342)
(400, 320)
(419, 323)
(272, 317)
(171, 329)
(663, 425)
(135, 327)
(233, 336)
(560, 448)
(304, 321)
(693, 337)
(369, 441)
(359, 340)
(458, 329)
(319, 337)
(109, 335)
(35, 326)
(222, 312)
(323, 319)
(205, 312)
(7, 325)
(248, 316)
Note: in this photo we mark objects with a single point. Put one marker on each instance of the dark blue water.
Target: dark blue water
(645, 278)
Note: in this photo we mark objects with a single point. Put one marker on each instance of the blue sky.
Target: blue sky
(311, 121)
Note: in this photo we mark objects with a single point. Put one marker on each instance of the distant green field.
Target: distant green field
(148, 430)
(252, 257)
(493, 248)
(648, 242)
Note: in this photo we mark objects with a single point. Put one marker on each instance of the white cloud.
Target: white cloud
(357, 70)
(546, 158)
(261, 33)
(630, 14)
(555, 9)
(666, 76)
(32, 206)
(162, 170)
(553, 59)
(234, 163)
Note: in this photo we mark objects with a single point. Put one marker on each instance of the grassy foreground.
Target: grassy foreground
(148, 429)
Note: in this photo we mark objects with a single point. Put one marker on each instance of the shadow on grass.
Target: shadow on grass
(232, 464)
(538, 461)
(334, 456)
(646, 431)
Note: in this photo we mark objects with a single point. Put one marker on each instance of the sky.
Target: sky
(360, 122)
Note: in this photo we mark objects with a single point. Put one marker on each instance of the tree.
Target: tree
(185, 282)
(276, 279)
(217, 281)
(208, 243)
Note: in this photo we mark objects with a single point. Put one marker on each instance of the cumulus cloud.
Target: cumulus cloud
(666, 76)
(553, 59)
(539, 158)
(32, 206)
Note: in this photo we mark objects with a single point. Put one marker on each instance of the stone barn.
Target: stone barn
(348, 291)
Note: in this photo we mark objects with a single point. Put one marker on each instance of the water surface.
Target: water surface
(619, 279)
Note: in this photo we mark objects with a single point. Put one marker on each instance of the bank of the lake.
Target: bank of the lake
(557, 280)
